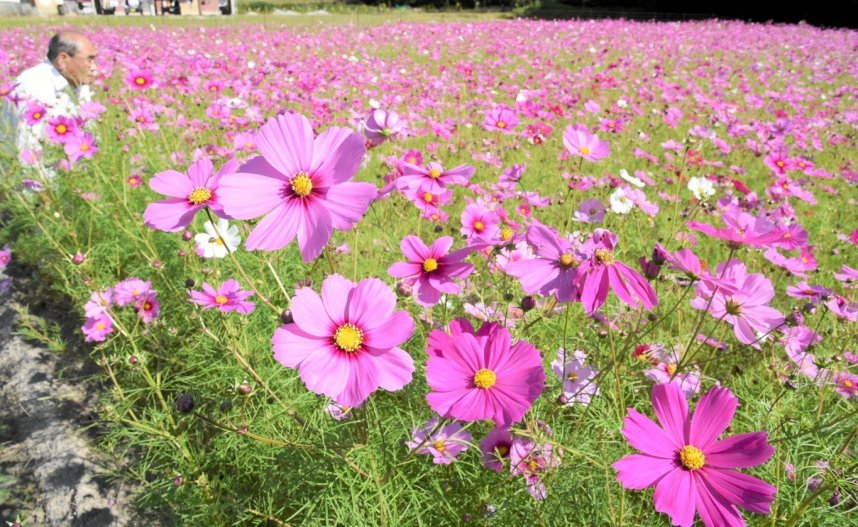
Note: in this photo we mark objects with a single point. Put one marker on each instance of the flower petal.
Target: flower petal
(286, 142)
(639, 471)
(741, 451)
(741, 489)
(309, 314)
(671, 408)
(644, 435)
(676, 495)
(277, 229)
(337, 155)
(712, 416)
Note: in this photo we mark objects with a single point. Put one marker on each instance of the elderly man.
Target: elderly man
(53, 88)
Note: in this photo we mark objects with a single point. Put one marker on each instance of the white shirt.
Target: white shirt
(42, 83)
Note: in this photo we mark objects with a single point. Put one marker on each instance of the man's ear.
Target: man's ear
(61, 61)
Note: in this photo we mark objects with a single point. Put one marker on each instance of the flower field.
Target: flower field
(473, 272)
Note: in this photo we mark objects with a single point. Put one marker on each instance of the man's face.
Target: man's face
(81, 68)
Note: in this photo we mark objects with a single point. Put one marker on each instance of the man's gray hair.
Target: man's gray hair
(59, 45)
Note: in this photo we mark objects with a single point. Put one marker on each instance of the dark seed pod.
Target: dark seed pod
(185, 403)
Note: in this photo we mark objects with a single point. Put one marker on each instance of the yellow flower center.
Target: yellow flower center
(847, 383)
(780, 164)
(99, 326)
(501, 124)
(213, 88)
(84, 147)
(479, 226)
(605, 256)
(430, 264)
(37, 116)
(439, 445)
(428, 197)
(220, 299)
(501, 450)
(302, 185)
(485, 378)
(434, 173)
(567, 260)
(348, 338)
(532, 465)
(671, 369)
(506, 233)
(412, 160)
(140, 81)
(585, 151)
(147, 306)
(572, 376)
(199, 195)
(691, 457)
(249, 146)
(61, 129)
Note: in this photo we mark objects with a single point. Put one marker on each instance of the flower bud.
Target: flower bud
(404, 289)
(185, 403)
(286, 316)
(245, 388)
(528, 303)
(187, 236)
(78, 258)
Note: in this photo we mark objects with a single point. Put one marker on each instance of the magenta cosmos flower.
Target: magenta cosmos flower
(481, 375)
(431, 270)
(601, 271)
(344, 344)
(302, 183)
(188, 193)
(586, 145)
(552, 272)
(228, 297)
(691, 469)
(417, 179)
(500, 119)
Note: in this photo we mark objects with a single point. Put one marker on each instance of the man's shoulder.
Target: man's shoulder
(41, 70)
(38, 82)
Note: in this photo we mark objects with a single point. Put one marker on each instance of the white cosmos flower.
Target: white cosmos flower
(210, 245)
(701, 187)
(631, 179)
(620, 203)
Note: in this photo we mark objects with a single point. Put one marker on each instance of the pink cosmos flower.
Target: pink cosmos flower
(5, 256)
(188, 193)
(482, 376)
(846, 384)
(344, 343)
(382, 125)
(601, 271)
(130, 290)
(581, 143)
(590, 211)
(35, 113)
(97, 328)
(443, 444)
(60, 129)
(98, 303)
(228, 297)
(500, 119)
(665, 361)
(432, 177)
(80, 146)
(847, 275)
(843, 308)
(139, 79)
(431, 270)
(811, 293)
(742, 229)
(552, 271)
(301, 183)
(579, 381)
(480, 224)
(532, 460)
(692, 471)
(148, 307)
(743, 303)
(496, 447)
